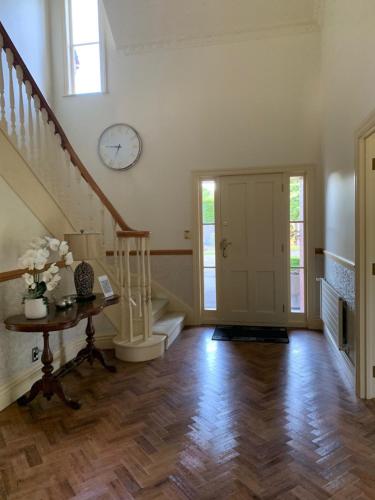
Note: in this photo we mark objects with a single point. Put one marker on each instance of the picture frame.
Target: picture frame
(106, 286)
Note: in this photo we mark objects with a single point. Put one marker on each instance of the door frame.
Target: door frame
(365, 382)
(308, 171)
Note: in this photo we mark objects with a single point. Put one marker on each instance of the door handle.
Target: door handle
(224, 244)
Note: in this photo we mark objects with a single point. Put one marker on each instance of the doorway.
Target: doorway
(251, 249)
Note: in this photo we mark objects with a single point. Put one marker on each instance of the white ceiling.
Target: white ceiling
(153, 23)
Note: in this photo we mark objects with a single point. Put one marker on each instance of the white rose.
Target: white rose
(28, 259)
(53, 269)
(69, 259)
(44, 252)
(29, 278)
(51, 286)
(47, 276)
(53, 243)
(64, 248)
(53, 283)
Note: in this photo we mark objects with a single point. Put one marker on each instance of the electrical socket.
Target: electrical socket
(35, 354)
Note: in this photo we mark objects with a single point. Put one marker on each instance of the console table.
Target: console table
(58, 320)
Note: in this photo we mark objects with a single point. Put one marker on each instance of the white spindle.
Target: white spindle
(59, 168)
(149, 286)
(67, 171)
(3, 119)
(102, 226)
(91, 207)
(30, 121)
(78, 196)
(144, 290)
(44, 151)
(138, 270)
(124, 325)
(117, 255)
(128, 290)
(38, 141)
(10, 61)
(21, 109)
(52, 157)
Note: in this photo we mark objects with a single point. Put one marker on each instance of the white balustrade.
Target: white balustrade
(12, 104)
(3, 119)
(21, 109)
(28, 122)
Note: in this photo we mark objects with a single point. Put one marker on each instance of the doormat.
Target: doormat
(241, 333)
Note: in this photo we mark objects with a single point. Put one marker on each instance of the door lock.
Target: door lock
(224, 244)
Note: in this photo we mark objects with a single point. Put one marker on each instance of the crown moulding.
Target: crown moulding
(225, 38)
(171, 42)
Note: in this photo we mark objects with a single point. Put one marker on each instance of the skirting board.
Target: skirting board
(344, 364)
(12, 390)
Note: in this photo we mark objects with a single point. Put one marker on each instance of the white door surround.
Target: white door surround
(309, 319)
(364, 258)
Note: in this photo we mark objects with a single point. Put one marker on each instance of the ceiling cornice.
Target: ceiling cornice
(229, 37)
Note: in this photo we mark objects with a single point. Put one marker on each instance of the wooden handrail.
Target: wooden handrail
(65, 144)
(17, 273)
(133, 234)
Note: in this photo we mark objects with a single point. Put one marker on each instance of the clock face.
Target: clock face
(120, 147)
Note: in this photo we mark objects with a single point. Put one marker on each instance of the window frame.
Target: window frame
(69, 84)
(295, 316)
(208, 311)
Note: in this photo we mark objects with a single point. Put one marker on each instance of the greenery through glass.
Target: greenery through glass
(208, 202)
(296, 198)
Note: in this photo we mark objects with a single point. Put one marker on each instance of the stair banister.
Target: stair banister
(14, 59)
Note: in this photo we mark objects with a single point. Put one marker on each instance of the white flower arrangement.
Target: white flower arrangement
(35, 259)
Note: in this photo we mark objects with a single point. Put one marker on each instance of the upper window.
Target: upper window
(84, 48)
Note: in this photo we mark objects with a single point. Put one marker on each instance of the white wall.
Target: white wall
(227, 106)
(348, 97)
(27, 23)
(348, 75)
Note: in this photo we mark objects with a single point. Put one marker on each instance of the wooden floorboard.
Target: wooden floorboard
(210, 420)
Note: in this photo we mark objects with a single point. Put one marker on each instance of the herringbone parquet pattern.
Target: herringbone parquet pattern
(211, 420)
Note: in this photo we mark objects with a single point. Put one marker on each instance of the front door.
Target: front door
(252, 284)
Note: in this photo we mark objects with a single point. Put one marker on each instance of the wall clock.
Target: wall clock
(120, 146)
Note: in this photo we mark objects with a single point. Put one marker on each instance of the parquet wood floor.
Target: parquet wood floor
(211, 420)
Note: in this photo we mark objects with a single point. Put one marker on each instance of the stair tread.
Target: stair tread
(168, 323)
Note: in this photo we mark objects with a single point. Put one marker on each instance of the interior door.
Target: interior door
(252, 285)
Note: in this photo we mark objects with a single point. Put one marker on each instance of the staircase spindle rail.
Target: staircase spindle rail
(37, 133)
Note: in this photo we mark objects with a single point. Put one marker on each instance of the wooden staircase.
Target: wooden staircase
(145, 325)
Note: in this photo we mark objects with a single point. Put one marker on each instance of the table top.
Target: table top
(61, 319)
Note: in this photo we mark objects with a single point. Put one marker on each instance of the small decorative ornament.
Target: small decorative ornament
(85, 247)
(39, 279)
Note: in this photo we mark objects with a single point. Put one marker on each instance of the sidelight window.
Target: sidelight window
(297, 243)
(208, 237)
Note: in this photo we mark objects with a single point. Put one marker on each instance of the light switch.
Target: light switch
(187, 234)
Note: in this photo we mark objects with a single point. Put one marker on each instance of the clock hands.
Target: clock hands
(115, 147)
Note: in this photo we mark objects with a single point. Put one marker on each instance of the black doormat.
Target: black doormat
(251, 334)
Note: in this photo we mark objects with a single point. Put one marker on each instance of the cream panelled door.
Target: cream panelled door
(252, 284)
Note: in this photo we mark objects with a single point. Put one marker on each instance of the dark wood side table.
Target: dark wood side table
(56, 321)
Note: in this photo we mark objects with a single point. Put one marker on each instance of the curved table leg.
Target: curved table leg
(59, 391)
(36, 388)
(100, 357)
(48, 384)
(90, 352)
